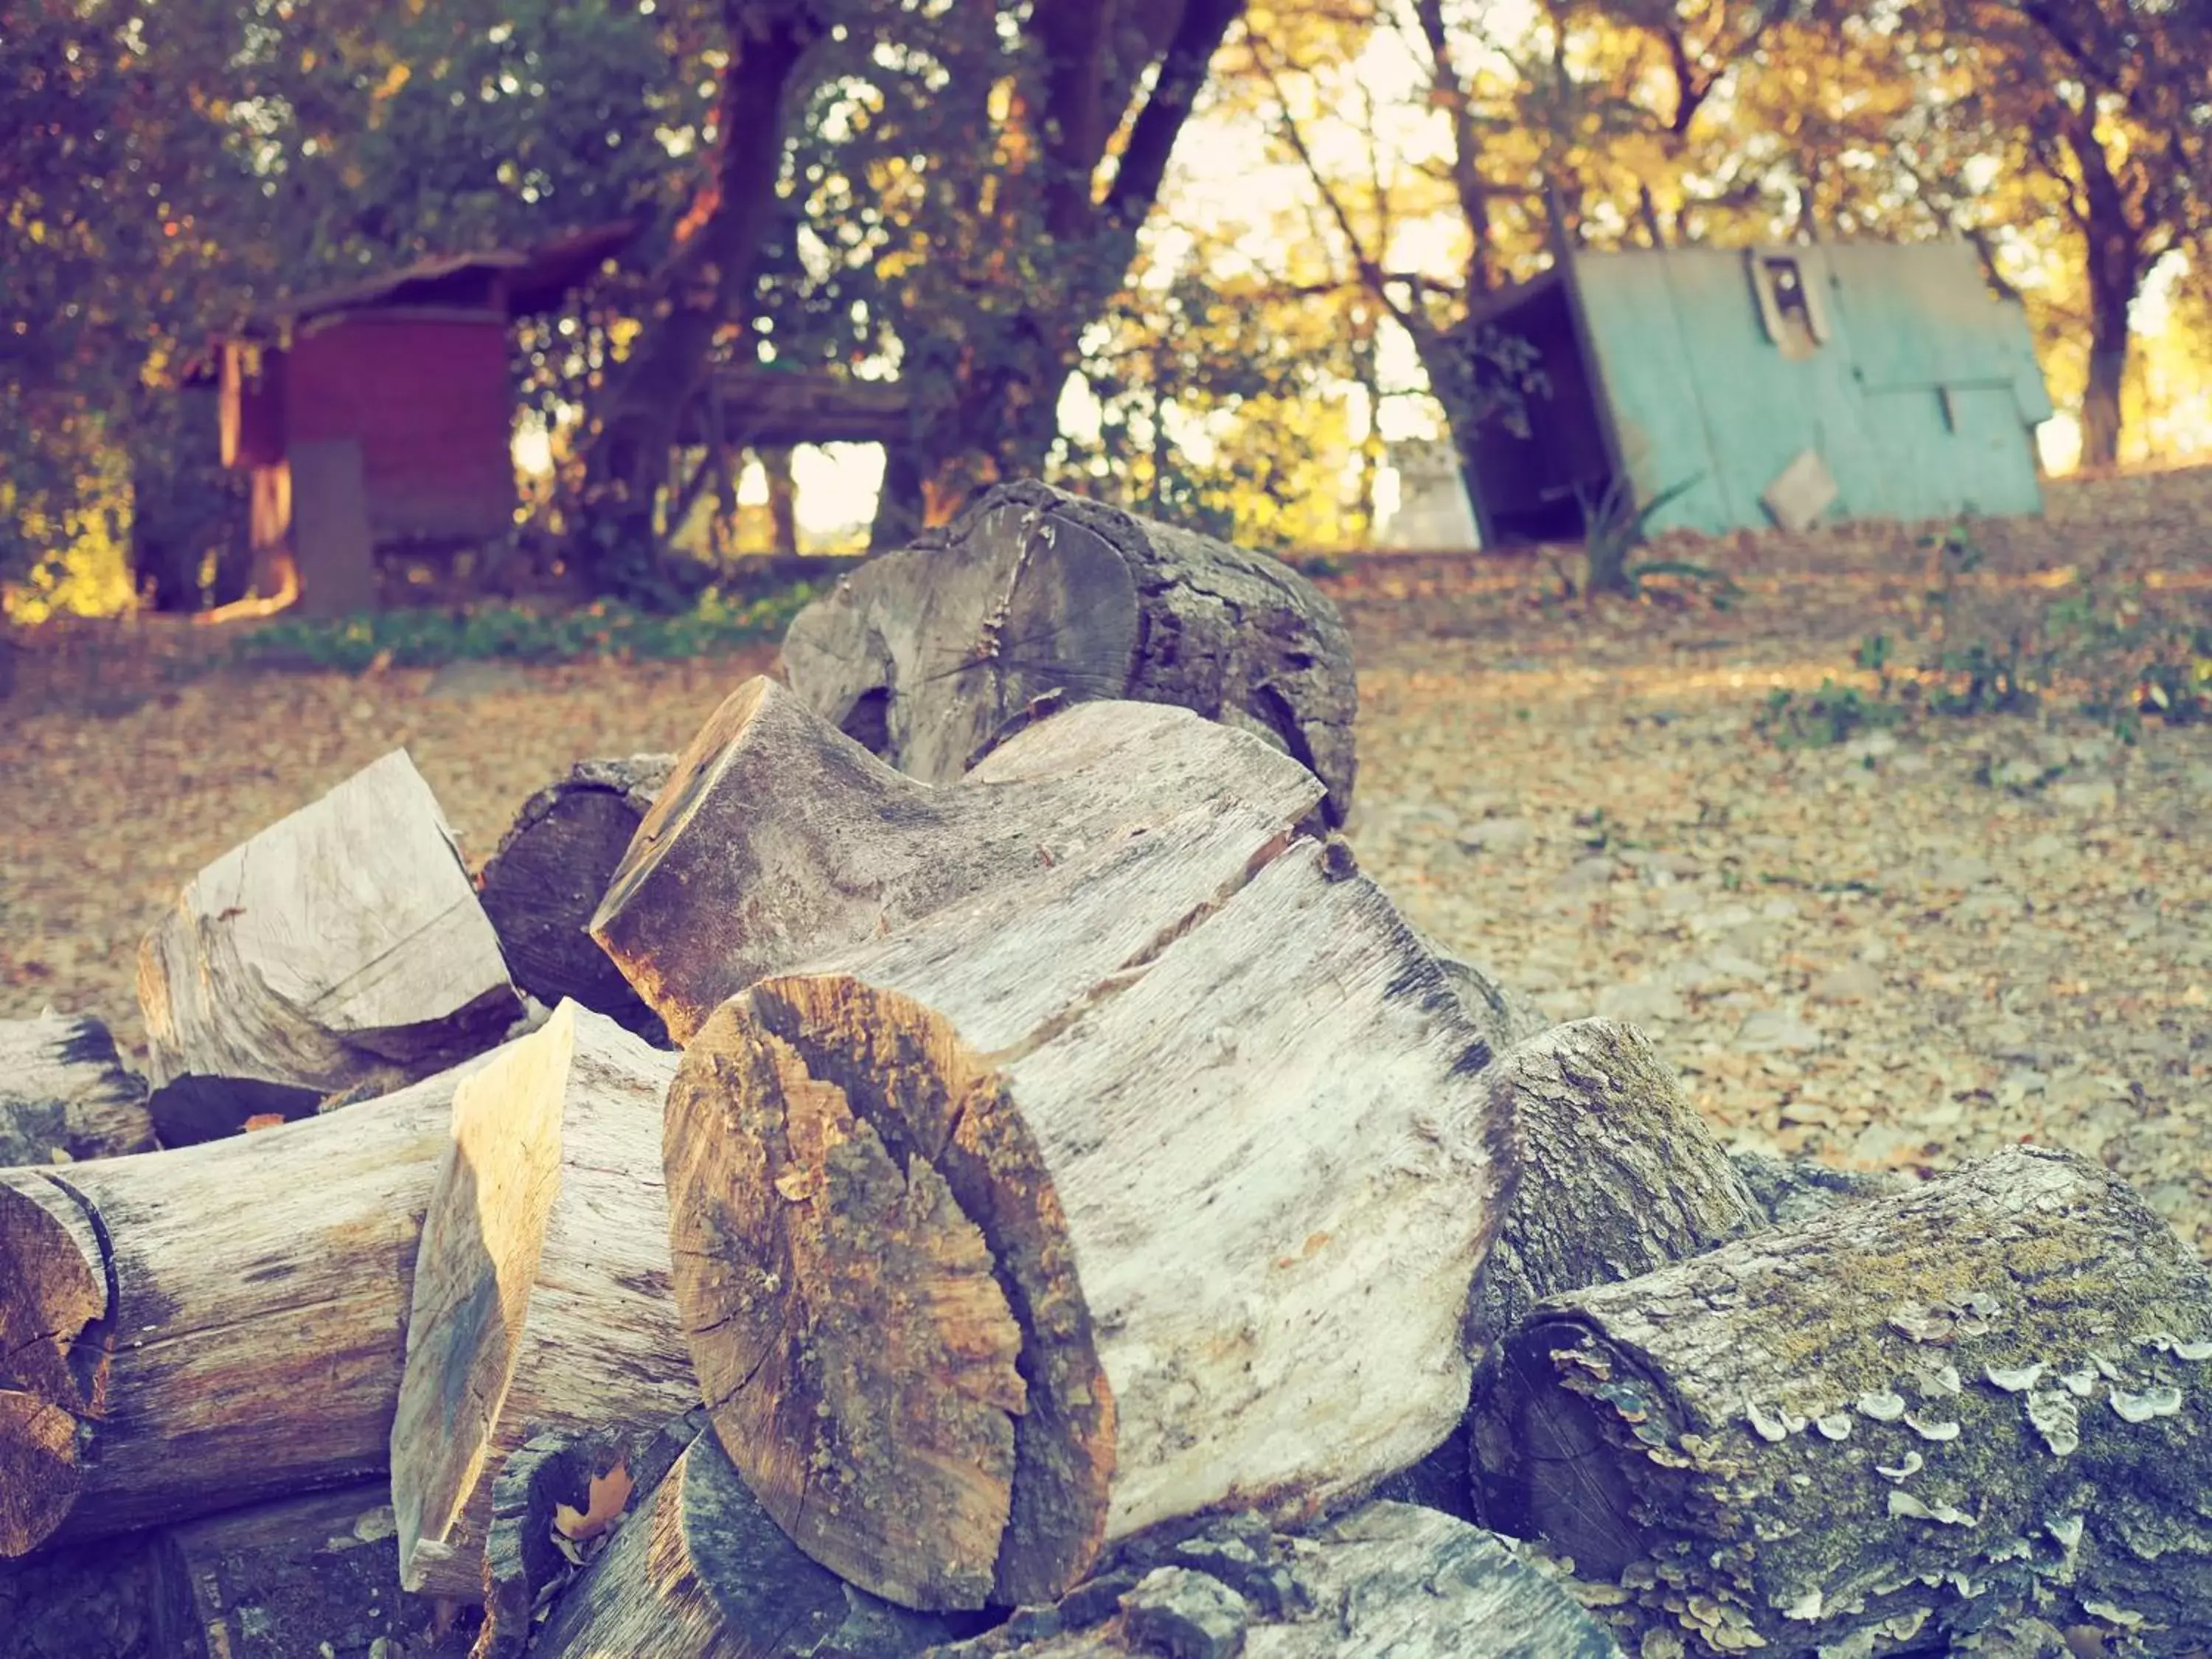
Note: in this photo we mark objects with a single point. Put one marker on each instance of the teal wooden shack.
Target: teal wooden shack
(1788, 385)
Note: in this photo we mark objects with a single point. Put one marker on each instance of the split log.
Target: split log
(541, 1296)
(1615, 1173)
(779, 839)
(1388, 1581)
(1033, 599)
(551, 869)
(1157, 1184)
(65, 1094)
(285, 1580)
(189, 1331)
(697, 1570)
(340, 944)
(1907, 1419)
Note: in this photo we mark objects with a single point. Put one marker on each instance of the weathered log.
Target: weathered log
(1615, 1173)
(541, 1296)
(1788, 1190)
(1033, 599)
(552, 868)
(1388, 1582)
(1907, 1419)
(1088, 1206)
(186, 1331)
(779, 839)
(697, 1570)
(342, 942)
(310, 1575)
(65, 1094)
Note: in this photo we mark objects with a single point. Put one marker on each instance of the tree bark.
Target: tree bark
(1388, 1582)
(2116, 261)
(1901, 1421)
(552, 868)
(342, 946)
(549, 1207)
(699, 1571)
(781, 840)
(1616, 1173)
(1096, 1204)
(65, 1094)
(185, 1332)
(1034, 599)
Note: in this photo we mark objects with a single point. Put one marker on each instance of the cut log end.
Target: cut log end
(887, 1322)
(54, 1303)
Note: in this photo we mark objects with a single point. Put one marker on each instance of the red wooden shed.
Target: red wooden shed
(381, 416)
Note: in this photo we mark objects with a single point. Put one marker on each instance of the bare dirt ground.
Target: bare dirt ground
(1889, 953)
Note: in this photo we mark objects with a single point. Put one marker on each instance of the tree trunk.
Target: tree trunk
(2116, 261)
(781, 840)
(699, 1571)
(1390, 1582)
(550, 1207)
(552, 868)
(2108, 373)
(1900, 1421)
(782, 497)
(1036, 598)
(184, 1331)
(707, 283)
(1099, 1203)
(65, 1094)
(342, 946)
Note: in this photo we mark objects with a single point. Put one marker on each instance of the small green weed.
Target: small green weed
(429, 638)
(1834, 713)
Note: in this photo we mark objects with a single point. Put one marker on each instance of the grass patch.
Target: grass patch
(606, 629)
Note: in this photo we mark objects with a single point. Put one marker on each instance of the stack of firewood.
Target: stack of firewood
(961, 1161)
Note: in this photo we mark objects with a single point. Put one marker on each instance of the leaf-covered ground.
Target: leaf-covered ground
(1892, 952)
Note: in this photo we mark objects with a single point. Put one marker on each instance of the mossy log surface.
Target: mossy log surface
(65, 1093)
(1896, 1423)
(1033, 599)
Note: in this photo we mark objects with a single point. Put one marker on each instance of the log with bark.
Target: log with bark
(696, 1570)
(185, 1332)
(780, 839)
(552, 868)
(1388, 1582)
(65, 1094)
(1033, 599)
(1893, 1424)
(341, 945)
(541, 1294)
(1614, 1173)
(1155, 1184)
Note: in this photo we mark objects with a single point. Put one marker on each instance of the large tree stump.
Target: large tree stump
(1906, 1419)
(1033, 599)
(551, 870)
(341, 944)
(698, 1571)
(1391, 1581)
(541, 1296)
(779, 839)
(189, 1331)
(65, 1094)
(1106, 1200)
